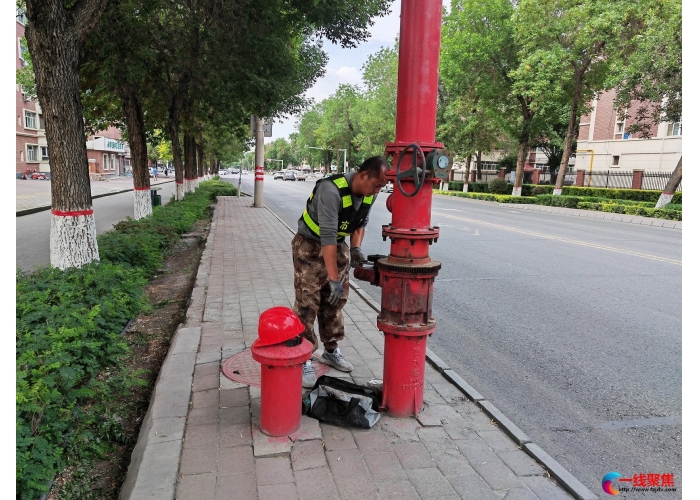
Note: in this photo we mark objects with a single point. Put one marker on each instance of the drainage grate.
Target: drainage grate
(244, 369)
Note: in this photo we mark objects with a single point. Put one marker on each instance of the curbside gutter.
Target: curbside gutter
(556, 470)
(155, 460)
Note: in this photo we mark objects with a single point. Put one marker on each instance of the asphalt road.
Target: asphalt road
(33, 230)
(570, 326)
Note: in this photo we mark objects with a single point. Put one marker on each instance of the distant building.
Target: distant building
(107, 153)
(604, 138)
(32, 151)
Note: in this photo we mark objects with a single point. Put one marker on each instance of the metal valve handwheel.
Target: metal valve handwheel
(415, 172)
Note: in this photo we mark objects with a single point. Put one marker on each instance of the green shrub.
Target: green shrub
(619, 194)
(557, 201)
(498, 186)
(537, 190)
(523, 200)
(68, 326)
(672, 206)
(67, 330)
(478, 187)
(455, 186)
(660, 213)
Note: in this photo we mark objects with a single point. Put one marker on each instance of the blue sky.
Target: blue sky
(345, 65)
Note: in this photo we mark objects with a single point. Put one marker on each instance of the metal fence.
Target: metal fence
(613, 179)
(548, 178)
(658, 180)
(486, 175)
(608, 179)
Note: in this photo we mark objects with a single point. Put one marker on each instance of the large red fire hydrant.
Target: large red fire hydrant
(406, 275)
(281, 351)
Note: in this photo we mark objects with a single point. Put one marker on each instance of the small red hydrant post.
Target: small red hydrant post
(281, 351)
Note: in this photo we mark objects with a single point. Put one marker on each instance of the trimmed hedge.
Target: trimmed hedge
(628, 207)
(68, 345)
(483, 187)
(621, 194)
(658, 213)
(500, 198)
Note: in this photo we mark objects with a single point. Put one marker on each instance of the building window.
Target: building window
(105, 162)
(44, 153)
(21, 17)
(41, 121)
(32, 151)
(616, 160)
(674, 128)
(29, 119)
(23, 51)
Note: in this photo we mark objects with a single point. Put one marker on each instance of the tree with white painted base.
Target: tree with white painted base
(56, 34)
(650, 72)
(671, 186)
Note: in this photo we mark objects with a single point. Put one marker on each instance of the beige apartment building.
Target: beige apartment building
(605, 144)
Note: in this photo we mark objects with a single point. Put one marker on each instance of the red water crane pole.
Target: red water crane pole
(406, 275)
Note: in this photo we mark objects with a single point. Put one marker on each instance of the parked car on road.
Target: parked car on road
(289, 175)
(279, 175)
(299, 175)
(388, 188)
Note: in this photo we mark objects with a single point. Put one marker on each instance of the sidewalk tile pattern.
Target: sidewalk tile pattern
(451, 451)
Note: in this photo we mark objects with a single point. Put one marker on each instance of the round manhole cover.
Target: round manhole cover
(244, 369)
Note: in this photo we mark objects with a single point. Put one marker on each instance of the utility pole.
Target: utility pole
(259, 163)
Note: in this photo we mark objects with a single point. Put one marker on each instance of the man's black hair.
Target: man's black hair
(373, 166)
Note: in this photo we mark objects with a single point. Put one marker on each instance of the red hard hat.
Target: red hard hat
(277, 325)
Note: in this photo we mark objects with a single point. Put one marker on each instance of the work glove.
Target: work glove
(336, 291)
(356, 257)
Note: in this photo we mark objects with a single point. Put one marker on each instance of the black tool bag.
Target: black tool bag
(343, 403)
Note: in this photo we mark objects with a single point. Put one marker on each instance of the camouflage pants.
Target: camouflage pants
(312, 291)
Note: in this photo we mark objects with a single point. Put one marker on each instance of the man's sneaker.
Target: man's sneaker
(336, 360)
(308, 375)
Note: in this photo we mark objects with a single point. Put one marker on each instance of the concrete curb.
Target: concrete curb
(155, 459)
(29, 211)
(564, 477)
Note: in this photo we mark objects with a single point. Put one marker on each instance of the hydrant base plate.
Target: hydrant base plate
(244, 369)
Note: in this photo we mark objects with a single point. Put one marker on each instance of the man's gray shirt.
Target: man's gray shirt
(325, 207)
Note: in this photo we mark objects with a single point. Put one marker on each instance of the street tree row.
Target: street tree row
(529, 69)
(354, 123)
(188, 71)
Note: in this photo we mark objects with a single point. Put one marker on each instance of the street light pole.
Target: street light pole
(259, 162)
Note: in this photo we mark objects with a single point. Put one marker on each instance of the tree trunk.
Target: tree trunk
(200, 161)
(174, 126)
(465, 186)
(570, 131)
(190, 162)
(523, 149)
(671, 185)
(55, 36)
(131, 104)
(478, 165)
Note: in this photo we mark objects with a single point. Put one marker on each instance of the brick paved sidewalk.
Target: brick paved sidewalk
(205, 443)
